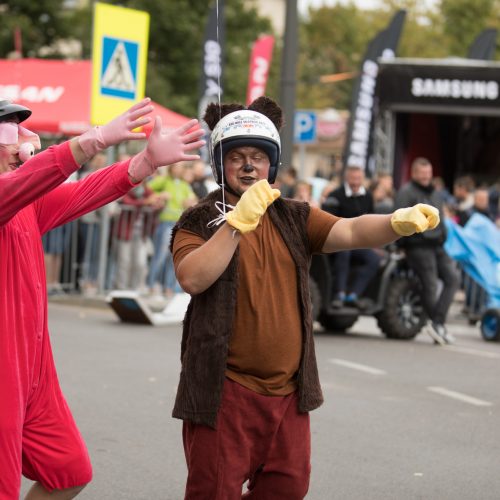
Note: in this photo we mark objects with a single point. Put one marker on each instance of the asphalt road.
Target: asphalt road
(401, 420)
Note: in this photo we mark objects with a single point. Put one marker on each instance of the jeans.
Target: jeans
(429, 264)
(162, 258)
(367, 262)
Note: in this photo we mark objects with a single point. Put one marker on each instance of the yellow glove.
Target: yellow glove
(252, 206)
(416, 219)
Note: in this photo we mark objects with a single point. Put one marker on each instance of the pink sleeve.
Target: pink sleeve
(74, 199)
(39, 175)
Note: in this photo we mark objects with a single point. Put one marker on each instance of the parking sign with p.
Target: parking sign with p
(304, 127)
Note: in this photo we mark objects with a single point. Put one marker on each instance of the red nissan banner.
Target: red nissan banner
(260, 62)
(58, 93)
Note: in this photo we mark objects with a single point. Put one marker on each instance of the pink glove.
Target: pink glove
(165, 148)
(118, 130)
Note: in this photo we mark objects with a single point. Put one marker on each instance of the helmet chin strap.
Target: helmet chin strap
(229, 189)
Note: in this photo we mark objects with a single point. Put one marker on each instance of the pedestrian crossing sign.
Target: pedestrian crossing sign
(119, 68)
(119, 60)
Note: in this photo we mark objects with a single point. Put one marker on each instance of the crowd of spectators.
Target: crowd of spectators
(138, 257)
(137, 254)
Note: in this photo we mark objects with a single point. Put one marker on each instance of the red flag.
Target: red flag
(260, 62)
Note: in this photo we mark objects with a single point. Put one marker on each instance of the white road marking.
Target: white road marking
(474, 352)
(357, 366)
(459, 396)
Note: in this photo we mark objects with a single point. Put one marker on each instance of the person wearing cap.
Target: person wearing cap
(38, 436)
(249, 376)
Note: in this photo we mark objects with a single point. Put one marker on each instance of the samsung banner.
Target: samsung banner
(447, 84)
(358, 142)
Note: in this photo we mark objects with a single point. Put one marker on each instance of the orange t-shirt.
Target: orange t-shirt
(266, 345)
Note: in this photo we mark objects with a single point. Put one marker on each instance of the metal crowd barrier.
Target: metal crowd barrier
(108, 249)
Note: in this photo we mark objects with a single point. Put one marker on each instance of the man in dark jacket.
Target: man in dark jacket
(351, 199)
(249, 375)
(425, 252)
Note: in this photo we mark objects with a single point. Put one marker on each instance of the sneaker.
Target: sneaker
(362, 304)
(351, 300)
(437, 332)
(337, 303)
(448, 337)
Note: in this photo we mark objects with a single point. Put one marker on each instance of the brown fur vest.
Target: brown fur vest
(209, 318)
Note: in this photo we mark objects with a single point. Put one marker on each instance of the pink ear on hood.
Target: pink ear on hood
(26, 135)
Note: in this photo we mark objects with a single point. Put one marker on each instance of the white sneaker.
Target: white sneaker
(436, 332)
(449, 338)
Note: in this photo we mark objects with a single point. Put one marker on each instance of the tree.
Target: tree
(464, 20)
(175, 41)
(41, 24)
(333, 40)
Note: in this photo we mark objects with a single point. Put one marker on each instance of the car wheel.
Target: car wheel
(402, 316)
(490, 325)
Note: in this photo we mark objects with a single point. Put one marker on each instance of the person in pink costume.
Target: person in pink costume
(38, 436)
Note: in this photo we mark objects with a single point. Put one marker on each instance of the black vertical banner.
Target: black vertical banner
(484, 45)
(358, 144)
(211, 64)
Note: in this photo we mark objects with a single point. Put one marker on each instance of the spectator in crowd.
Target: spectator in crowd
(494, 196)
(352, 199)
(89, 234)
(287, 180)
(199, 184)
(249, 376)
(57, 249)
(425, 253)
(303, 192)
(55, 244)
(134, 229)
(482, 203)
(463, 193)
(382, 192)
(177, 195)
(333, 183)
(38, 436)
(442, 191)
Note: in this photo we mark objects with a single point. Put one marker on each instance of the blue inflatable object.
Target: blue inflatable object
(477, 248)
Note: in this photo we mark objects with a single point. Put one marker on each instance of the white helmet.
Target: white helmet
(240, 129)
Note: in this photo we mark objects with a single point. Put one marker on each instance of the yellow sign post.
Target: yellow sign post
(119, 60)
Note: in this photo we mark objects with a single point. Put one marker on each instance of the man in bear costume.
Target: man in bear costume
(249, 374)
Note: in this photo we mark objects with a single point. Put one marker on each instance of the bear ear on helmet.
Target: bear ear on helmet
(235, 126)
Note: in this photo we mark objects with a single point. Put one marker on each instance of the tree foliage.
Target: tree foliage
(332, 40)
(464, 20)
(175, 49)
(41, 24)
